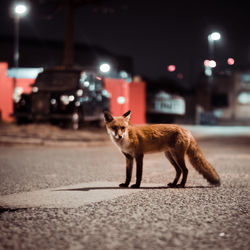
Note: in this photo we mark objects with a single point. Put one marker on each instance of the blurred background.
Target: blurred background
(65, 61)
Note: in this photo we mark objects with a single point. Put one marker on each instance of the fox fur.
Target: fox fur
(174, 141)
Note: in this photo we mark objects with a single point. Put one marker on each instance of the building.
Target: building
(169, 102)
(224, 99)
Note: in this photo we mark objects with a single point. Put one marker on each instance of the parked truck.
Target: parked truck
(63, 96)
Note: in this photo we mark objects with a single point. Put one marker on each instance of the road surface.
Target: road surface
(68, 198)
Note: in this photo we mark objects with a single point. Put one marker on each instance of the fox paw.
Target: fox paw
(172, 185)
(180, 185)
(135, 186)
(123, 185)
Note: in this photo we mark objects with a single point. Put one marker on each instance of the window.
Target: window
(219, 100)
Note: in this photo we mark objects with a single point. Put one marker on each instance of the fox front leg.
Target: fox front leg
(129, 168)
(139, 166)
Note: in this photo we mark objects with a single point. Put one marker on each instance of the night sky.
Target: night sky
(154, 33)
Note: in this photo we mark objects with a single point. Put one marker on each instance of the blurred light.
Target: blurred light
(35, 89)
(20, 9)
(64, 99)
(244, 98)
(123, 74)
(215, 36)
(105, 67)
(106, 93)
(86, 84)
(121, 99)
(17, 94)
(77, 103)
(171, 68)
(92, 87)
(79, 92)
(230, 61)
(208, 71)
(71, 98)
(75, 117)
(53, 101)
(206, 63)
(212, 64)
(180, 76)
(99, 78)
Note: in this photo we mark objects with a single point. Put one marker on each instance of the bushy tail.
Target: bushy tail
(201, 164)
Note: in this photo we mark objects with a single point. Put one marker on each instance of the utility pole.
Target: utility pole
(68, 55)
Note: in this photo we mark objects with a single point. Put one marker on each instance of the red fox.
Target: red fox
(174, 141)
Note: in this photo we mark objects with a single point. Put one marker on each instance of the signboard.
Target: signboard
(26, 73)
(169, 104)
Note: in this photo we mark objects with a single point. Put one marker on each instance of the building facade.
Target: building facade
(224, 98)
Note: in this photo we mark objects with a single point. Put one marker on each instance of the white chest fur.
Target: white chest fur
(122, 144)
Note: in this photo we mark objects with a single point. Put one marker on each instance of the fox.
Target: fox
(176, 142)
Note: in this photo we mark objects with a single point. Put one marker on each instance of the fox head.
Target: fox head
(117, 126)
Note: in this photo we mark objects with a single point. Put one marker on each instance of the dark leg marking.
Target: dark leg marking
(177, 168)
(129, 168)
(182, 165)
(139, 165)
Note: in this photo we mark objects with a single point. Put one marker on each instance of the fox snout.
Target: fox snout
(118, 134)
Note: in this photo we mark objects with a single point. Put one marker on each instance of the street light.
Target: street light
(105, 67)
(19, 10)
(210, 64)
(215, 36)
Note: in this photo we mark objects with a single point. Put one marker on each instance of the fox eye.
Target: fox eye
(122, 128)
(114, 127)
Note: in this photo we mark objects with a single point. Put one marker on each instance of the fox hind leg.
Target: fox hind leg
(181, 163)
(177, 168)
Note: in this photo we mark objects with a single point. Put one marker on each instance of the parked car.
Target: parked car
(67, 96)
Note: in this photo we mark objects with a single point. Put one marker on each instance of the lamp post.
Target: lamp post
(211, 63)
(20, 10)
(215, 36)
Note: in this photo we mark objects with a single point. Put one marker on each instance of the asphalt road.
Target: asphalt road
(155, 217)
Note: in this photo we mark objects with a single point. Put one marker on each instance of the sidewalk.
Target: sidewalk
(46, 134)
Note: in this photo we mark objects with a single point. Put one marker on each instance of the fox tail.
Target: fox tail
(199, 162)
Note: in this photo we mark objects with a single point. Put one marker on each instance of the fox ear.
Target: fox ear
(127, 115)
(108, 117)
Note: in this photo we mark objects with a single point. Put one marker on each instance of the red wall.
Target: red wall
(117, 88)
(135, 100)
(6, 91)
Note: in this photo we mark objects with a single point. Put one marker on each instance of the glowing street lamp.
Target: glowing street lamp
(105, 67)
(210, 64)
(19, 10)
(215, 36)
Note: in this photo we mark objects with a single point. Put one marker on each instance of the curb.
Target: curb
(7, 141)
